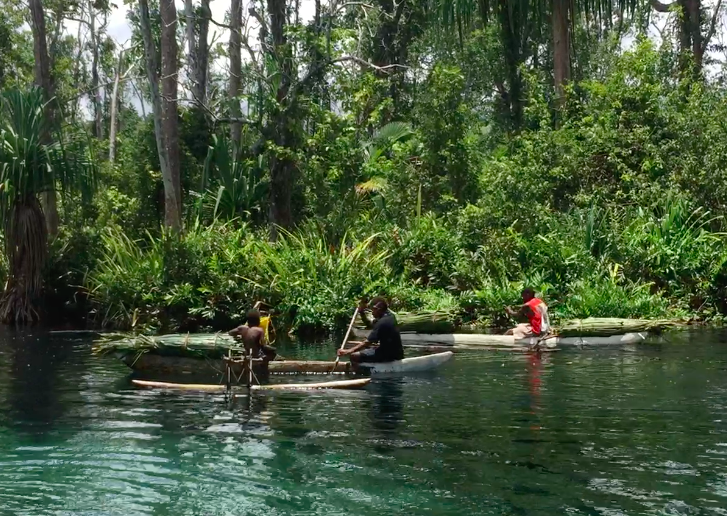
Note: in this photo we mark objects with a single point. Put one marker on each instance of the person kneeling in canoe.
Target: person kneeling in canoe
(536, 312)
(253, 337)
(384, 332)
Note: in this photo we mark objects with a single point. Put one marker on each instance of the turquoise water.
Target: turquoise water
(635, 430)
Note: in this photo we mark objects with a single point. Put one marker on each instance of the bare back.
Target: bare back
(252, 338)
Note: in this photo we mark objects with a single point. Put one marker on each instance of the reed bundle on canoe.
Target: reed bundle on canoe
(606, 327)
(213, 346)
(426, 322)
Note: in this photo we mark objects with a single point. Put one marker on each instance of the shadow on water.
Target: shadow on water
(387, 406)
(36, 388)
(386, 412)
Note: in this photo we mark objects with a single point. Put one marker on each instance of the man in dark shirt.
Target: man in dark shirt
(384, 333)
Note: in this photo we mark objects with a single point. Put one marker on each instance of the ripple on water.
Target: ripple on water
(580, 432)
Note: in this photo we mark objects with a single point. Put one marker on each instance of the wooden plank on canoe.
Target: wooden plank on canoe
(180, 386)
(342, 384)
(307, 366)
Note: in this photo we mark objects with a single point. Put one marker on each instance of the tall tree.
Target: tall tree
(172, 211)
(31, 163)
(95, 81)
(115, 94)
(693, 43)
(44, 79)
(518, 19)
(235, 81)
(197, 32)
(560, 18)
(170, 115)
(282, 130)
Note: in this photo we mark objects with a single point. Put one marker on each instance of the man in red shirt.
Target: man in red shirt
(536, 312)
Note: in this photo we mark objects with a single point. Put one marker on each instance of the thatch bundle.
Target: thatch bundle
(425, 322)
(212, 346)
(606, 327)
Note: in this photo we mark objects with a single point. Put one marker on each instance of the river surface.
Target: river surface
(632, 430)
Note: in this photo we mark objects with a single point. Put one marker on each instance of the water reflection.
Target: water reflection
(581, 432)
(386, 410)
(37, 390)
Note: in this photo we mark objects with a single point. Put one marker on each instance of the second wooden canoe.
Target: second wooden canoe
(505, 341)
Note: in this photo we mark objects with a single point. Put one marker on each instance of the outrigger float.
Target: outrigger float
(342, 384)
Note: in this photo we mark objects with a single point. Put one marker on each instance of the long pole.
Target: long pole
(345, 339)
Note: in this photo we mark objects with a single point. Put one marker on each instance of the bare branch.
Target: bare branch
(363, 5)
(712, 24)
(660, 6)
(363, 62)
(228, 120)
(99, 87)
(253, 12)
(220, 24)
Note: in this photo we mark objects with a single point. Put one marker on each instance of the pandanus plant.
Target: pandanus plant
(33, 161)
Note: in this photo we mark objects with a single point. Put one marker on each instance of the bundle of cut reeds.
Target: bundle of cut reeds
(426, 322)
(211, 346)
(606, 327)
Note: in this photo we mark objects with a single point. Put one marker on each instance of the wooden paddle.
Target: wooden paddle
(343, 344)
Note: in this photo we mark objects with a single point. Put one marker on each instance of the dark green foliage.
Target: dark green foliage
(447, 177)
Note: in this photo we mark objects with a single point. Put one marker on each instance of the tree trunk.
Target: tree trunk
(203, 52)
(191, 48)
(693, 16)
(77, 71)
(235, 84)
(114, 110)
(170, 122)
(142, 103)
(510, 26)
(44, 79)
(561, 48)
(152, 54)
(26, 248)
(281, 164)
(96, 95)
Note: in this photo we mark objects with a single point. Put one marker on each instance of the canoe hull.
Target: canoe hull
(171, 366)
(149, 363)
(409, 365)
(508, 341)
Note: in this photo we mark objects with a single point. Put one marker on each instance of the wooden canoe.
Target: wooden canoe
(409, 365)
(508, 341)
(171, 365)
(343, 384)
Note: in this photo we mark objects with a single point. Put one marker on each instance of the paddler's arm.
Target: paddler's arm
(235, 332)
(521, 311)
(362, 306)
(357, 347)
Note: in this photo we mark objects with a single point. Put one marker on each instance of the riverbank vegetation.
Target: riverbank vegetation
(443, 153)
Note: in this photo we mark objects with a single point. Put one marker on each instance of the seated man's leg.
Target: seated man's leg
(365, 355)
(269, 352)
(523, 331)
